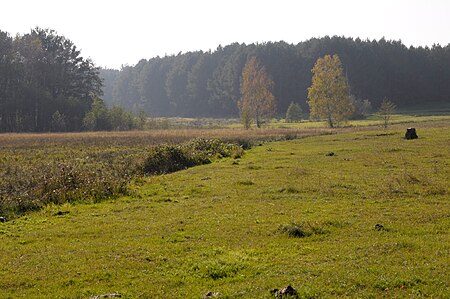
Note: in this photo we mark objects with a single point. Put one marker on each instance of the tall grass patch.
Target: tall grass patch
(170, 158)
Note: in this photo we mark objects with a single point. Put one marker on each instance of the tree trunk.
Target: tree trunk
(258, 124)
(330, 122)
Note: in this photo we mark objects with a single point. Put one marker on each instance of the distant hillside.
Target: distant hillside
(207, 84)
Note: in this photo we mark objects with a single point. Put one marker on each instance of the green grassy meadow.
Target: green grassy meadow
(302, 212)
(40, 169)
(370, 121)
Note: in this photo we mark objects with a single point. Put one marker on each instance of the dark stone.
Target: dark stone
(107, 296)
(2, 219)
(330, 154)
(274, 291)
(286, 291)
(61, 213)
(378, 226)
(411, 133)
(211, 294)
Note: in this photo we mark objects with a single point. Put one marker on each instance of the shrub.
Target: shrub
(244, 144)
(30, 188)
(170, 158)
(213, 148)
(31, 179)
(294, 113)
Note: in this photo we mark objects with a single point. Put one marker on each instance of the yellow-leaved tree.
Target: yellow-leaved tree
(257, 101)
(328, 96)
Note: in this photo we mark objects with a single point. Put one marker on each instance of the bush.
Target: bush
(294, 113)
(170, 158)
(25, 188)
(102, 118)
(30, 180)
(362, 108)
(213, 148)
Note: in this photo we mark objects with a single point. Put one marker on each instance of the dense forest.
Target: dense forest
(207, 84)
(46, 85)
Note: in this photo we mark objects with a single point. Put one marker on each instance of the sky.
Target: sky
(115, 33)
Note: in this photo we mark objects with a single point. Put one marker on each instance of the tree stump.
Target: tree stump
(411, 133)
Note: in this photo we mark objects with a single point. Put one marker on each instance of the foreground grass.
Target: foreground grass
(225, 227)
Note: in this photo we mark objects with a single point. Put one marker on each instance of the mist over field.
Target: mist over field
(207, 84)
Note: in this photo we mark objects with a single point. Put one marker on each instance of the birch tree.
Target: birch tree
(257, 100)
(328, 96)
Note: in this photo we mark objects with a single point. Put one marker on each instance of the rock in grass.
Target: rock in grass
(379, 226)
(287, 291)
(61, 213)
(274, 291)
(411, 134)
(2, 219)
(211, 294)
(330, 154)
(107, 296)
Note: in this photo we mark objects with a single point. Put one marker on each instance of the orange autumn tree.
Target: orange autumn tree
(257, 101)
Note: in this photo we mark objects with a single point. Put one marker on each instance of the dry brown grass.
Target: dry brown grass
(37, 169)
(152, 137)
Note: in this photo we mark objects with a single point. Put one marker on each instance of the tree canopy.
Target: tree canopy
(257, 101)
(328, 96)
(207, 84)
(42, 73)
(45, 83)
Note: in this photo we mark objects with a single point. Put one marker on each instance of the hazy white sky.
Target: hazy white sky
(113, 32)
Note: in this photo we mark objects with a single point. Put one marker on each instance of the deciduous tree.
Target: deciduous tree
(257, 100)
(386, 110)
(328, 96)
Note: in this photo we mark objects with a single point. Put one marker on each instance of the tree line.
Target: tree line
(208, 84)
(45, 84)
(329, 97)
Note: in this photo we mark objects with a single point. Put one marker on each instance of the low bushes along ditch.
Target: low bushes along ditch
(30, 186)
(170, 158)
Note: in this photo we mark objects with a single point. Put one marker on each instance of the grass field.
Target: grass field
(37, 169)
(372, 120)
(360, 213)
